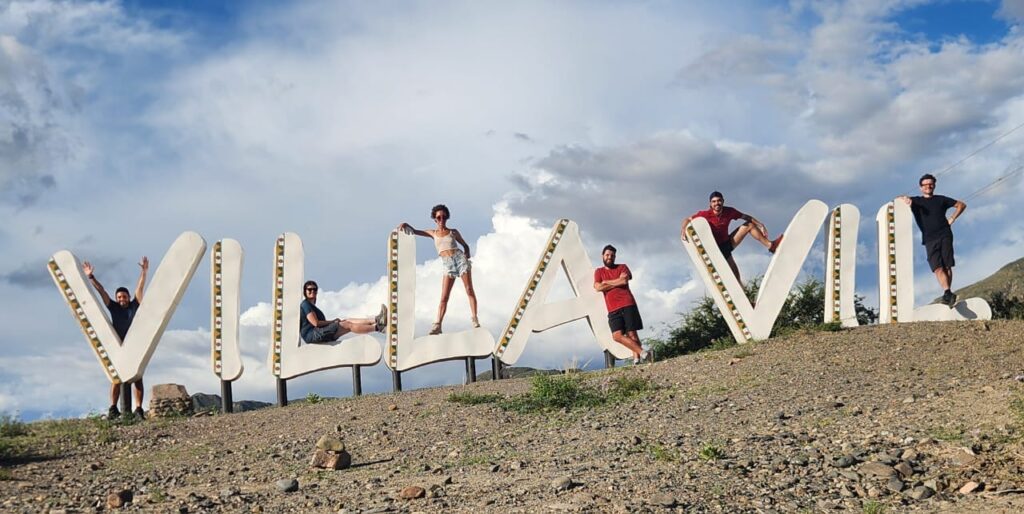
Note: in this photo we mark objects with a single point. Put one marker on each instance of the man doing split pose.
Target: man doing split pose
(719, 216)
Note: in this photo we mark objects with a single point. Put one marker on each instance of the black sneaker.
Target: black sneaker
(947, 298)
(113, 412)
(139, 413)
(952, 299)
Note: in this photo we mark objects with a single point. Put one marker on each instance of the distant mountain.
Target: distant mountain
(1009, 279)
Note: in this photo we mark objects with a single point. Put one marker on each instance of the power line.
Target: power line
(979, 150)
(996, 182)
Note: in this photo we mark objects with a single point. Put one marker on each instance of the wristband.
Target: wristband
(92, 277)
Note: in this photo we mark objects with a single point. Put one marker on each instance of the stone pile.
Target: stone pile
(330, 454)
(169, 400)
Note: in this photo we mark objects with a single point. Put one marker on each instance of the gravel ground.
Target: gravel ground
(917, 417)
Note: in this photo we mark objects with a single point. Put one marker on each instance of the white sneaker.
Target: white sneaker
(645, 356)
(475, 322)
(435, 329)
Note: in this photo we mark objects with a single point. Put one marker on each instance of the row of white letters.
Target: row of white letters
(124, 361)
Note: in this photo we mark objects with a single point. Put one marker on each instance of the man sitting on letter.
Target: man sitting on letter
(719, 216)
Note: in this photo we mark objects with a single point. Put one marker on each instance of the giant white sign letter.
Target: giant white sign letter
(841, 266)
(405, 350)
(531, 314)
(896, 274)
(125, 361)
(225, 282)
(289, 357)
(746, 322)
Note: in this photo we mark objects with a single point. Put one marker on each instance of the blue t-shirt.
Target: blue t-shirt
(121, 317)
(305, 327)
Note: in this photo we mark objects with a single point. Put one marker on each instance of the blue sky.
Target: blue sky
(123, 124)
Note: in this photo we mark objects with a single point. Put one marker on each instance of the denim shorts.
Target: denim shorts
(455, 265)
(324, 334)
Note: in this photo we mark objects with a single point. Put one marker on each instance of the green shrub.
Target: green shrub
(571, 391)
(1005, 307)
(710, 452)
(11, 426)
(704, 328)
(313, 398)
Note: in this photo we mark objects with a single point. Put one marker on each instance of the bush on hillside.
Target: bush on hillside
(1006, 307)
(705, 328)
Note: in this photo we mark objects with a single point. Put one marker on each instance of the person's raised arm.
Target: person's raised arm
(142, 279)
(458, 238)
(88, 270)
(682, 229)
(424, 233)
(960, 207)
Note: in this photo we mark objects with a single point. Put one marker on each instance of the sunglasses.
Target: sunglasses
(311, 289)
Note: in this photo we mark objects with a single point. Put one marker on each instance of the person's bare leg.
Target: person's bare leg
(625, 340)
(446, 291)
(749, 228)
(115, 393)
(140, 391)
(735, 269)
(467, 280)
(942, 275)
(356, 326)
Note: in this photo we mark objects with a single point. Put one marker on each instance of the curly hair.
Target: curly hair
(440, 207)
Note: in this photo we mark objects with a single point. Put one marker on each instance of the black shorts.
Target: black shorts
(726, 248)
(626, 319)
(940, 253)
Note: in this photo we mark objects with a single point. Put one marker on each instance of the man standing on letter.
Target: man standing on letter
(122, 311)
(623, 316)
(936, 235)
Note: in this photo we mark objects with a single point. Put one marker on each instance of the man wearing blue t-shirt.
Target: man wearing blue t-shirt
(936, 235)
(122, 311)
(316, 329)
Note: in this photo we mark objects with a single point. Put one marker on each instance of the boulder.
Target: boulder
(169, 400)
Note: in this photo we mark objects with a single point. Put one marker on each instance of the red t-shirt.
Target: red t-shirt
(720, 224)
(616, 297)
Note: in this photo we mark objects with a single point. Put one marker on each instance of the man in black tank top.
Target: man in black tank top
(929, 211)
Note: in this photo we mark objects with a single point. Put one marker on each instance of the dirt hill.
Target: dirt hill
(1009, 280)
(874, 419)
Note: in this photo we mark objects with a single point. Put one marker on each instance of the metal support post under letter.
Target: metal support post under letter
(126, 397)
(227, 403)
(357, 381)
(396, 381)
(282, 392)
(470, 370)
(609, 360)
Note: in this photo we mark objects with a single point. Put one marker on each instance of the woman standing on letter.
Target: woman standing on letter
(456, 262)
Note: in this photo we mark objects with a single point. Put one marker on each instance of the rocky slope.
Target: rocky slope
(875, 419)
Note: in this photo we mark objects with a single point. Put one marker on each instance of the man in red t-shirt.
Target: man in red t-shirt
(719, 216)
(623, 316)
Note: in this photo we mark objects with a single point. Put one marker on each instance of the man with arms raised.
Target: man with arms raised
(623, 316)
(719, 216)
(122, 311)
(936, 235)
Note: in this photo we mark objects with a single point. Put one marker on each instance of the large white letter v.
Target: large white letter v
(746, 322)
(125, 361)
